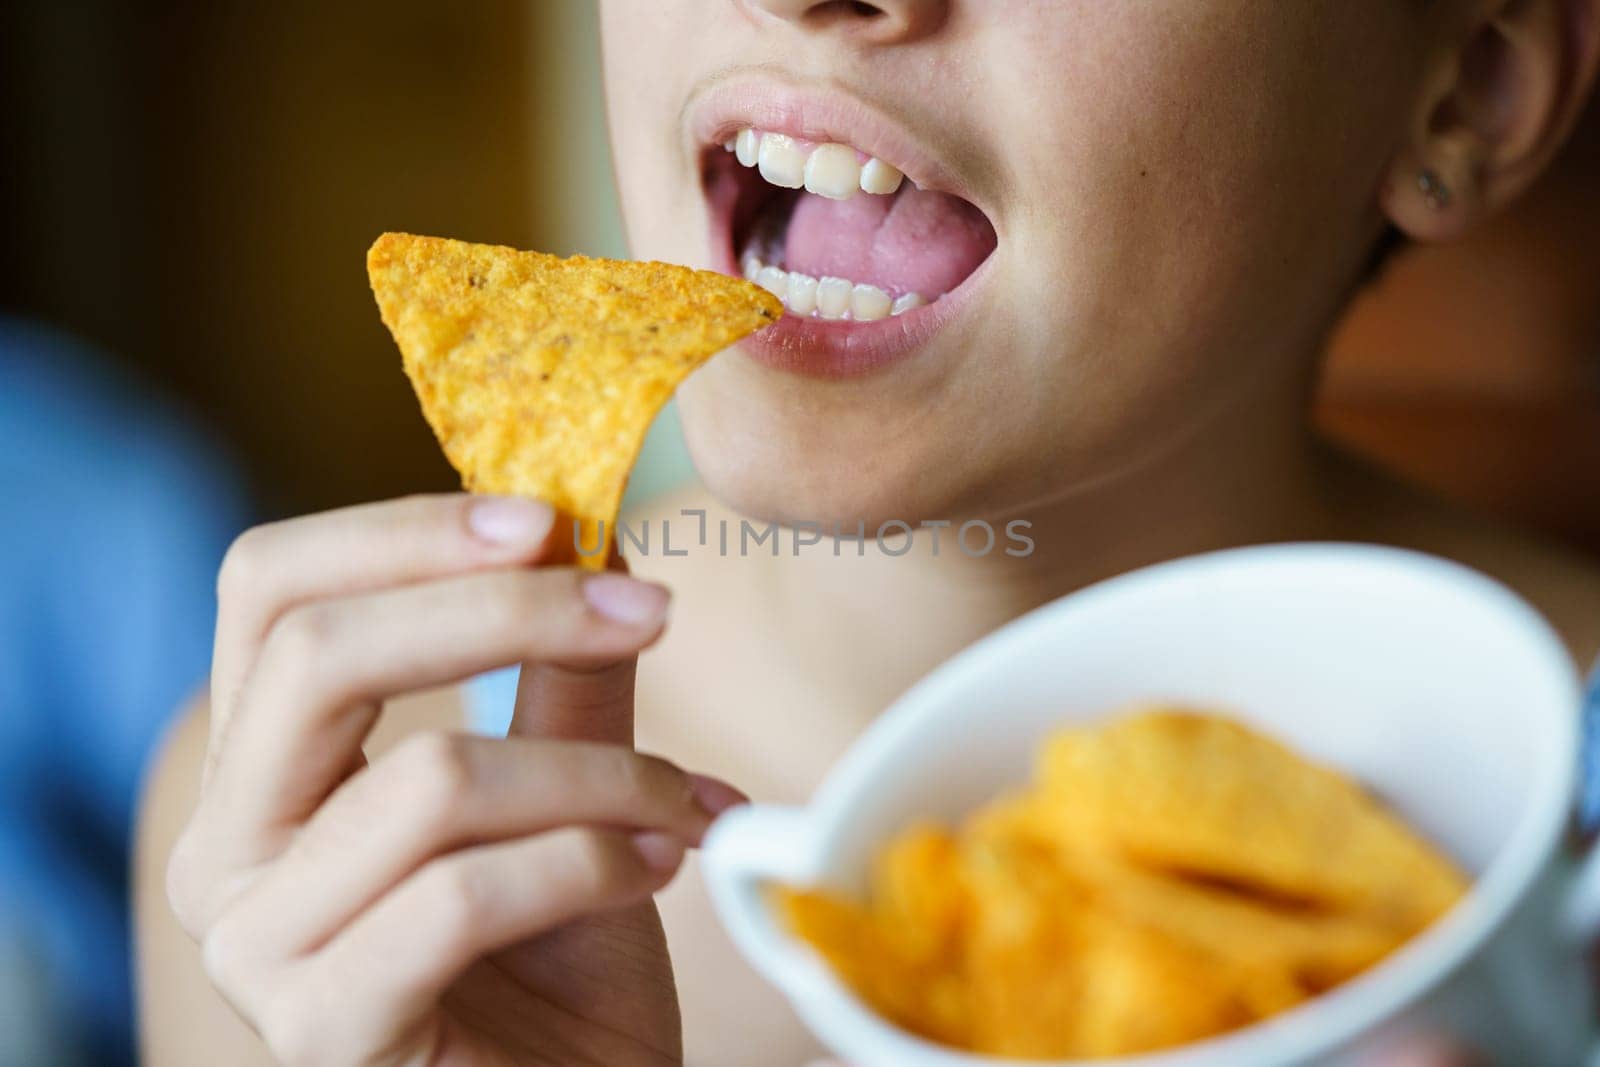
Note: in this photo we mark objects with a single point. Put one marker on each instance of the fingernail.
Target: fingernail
(623, 599)
(510, 520)
(714, 795)
(662, 852)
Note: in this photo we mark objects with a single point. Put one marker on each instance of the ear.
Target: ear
(1500, 99)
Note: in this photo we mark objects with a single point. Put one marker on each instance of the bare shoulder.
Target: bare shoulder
(182, 1018)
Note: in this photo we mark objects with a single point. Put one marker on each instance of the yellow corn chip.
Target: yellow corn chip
(1168, 876)
(1317, 950)
(1204, 795)
(917, 893)
(866, 956)
(540, 375)
(1144, 992)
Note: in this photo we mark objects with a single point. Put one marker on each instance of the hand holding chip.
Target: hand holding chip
(449, 891)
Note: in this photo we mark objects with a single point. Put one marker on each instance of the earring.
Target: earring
(1434, 191)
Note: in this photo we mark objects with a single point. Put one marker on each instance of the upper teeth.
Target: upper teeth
(835, 171)
(782, 161)
(828, 298)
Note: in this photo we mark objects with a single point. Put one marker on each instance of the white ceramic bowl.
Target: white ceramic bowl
(1434, 685)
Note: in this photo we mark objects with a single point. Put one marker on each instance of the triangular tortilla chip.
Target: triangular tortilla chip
(1211, 797)
(540, 375)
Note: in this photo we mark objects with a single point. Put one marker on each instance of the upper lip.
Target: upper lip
(738, 101)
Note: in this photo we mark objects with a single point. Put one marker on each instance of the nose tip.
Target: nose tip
(877, 21)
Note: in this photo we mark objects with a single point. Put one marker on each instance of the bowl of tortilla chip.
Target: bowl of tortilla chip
(1267, 806)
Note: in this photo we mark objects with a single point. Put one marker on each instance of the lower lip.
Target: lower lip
(818, 348)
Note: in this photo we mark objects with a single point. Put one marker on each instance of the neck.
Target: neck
(1253, 473)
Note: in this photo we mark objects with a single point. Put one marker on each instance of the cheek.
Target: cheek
(1203, 165)
(657, 186)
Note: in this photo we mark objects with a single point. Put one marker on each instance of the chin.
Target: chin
(790, 468)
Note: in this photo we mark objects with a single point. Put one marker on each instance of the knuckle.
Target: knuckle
(288, 1026)
(343, 824)
(183, 882)
(595, 680)
(225, 955)
(454, 899)
(436, 766)
(242, 565)
(304, 632)
(299, 651)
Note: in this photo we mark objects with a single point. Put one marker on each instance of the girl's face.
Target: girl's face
(1131, 219)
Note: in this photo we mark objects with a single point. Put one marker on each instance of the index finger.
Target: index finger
(273, 568)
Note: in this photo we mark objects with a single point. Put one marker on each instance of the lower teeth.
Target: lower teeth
(832, 299)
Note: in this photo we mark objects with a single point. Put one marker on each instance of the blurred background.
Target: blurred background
(188, 344)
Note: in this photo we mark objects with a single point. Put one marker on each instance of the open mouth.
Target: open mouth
(839, 235)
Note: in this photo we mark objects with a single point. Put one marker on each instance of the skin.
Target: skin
(1178, 230)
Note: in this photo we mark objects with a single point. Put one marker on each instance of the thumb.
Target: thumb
(589, 703)
(585, 701)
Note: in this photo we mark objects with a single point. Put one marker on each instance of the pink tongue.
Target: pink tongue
(912, 242)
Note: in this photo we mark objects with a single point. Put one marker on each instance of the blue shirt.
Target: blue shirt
(114, 516)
